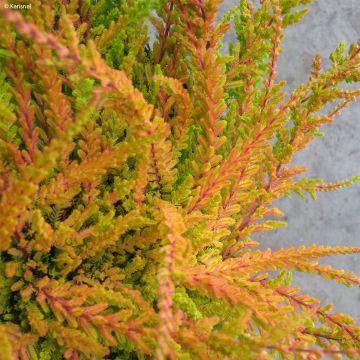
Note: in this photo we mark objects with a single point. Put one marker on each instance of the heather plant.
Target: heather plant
(134, 176)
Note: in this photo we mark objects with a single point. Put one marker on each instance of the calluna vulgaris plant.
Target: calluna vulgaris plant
(134, 176)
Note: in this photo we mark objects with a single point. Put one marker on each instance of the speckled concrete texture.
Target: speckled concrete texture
(334, 218)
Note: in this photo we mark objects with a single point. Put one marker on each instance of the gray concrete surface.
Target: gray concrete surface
(334, 218)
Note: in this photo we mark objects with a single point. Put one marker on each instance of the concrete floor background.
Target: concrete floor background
(334, 218)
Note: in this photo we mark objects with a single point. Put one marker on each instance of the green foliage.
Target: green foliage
(133, 177)
(8, 126)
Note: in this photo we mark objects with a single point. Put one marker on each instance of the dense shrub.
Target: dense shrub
(134, 175)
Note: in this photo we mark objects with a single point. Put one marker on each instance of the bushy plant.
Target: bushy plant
(133, 177)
